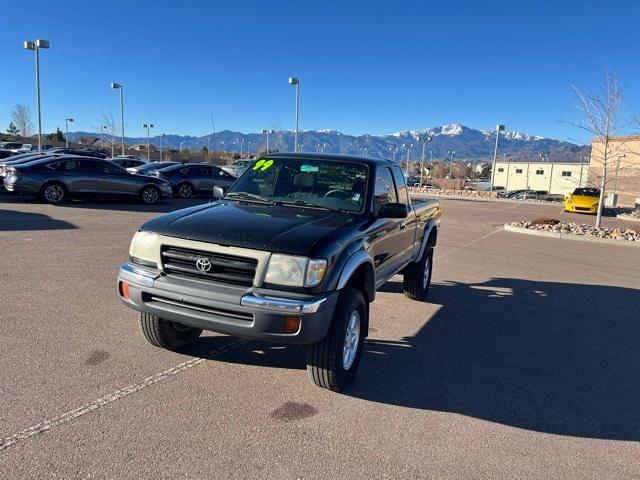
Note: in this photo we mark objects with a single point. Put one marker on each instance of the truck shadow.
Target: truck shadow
(552, 357)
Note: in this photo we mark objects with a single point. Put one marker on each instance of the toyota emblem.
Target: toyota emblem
(203, 264)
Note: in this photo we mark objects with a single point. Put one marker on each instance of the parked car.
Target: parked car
(509, 193)
(293, 253)
(149, 167)
(531, 195)
(5, 153)
(191, 178)
(583, 200)
(11, 145)
(128, 162)
(130, 157)
(54, 179)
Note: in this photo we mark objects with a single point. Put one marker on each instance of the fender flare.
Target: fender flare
(432, 224)
(354, 262)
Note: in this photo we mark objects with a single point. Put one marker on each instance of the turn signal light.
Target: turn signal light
(291, 324)
(124, 290)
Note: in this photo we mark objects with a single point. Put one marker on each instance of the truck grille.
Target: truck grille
(213, 266)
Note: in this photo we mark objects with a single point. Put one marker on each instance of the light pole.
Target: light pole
(161, 139)
(249, 142)
(267, 132)
(363, 150)
(424, 141)
(180, 147)
(66, 130)
(451, 153)
(499, 128)
(148, 126)
(102, 127)
(118, 86)
(37, 45)
(408, 146)
(296, 82)
(393, 150)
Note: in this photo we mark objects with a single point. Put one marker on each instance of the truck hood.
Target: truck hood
(291, 230)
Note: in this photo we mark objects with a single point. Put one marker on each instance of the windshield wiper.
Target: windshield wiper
(249, 197)
(303, 203)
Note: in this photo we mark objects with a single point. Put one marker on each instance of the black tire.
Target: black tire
(417, 276)
(150, 195)
(326, 359)
(53, 193)
(185, 190)
(167, 334)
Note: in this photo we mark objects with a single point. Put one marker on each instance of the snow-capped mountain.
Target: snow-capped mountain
(466, 143)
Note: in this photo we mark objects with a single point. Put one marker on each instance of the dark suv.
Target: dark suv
(188, 179)
(54, 179)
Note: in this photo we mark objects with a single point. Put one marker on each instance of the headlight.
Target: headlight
(295, 271)
(144, 248)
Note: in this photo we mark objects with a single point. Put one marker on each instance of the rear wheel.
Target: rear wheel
(150, 195)
(332, 362)
(185, 190)
(167, 334)
(53, 192)
(417, 276)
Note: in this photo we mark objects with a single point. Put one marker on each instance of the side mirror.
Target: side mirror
(393, 210)
(218, 192)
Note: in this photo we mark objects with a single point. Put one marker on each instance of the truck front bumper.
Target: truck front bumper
(237, 311)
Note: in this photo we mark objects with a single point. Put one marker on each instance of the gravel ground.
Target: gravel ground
(628, 234)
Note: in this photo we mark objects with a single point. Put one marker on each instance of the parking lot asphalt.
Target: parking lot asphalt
(524, 363)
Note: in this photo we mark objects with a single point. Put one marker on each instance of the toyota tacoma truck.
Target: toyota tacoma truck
(293, 253)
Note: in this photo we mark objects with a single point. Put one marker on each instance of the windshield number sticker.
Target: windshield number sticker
(309, 168)
(263, 165)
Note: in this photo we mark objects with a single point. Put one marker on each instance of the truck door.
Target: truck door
(385, 233)
(408, 233)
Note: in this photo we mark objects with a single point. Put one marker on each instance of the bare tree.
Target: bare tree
(21, 117)
(111, 127)
(600, 116)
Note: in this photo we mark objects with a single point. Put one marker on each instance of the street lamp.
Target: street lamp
(267, 132)
(180, 146)
(161, 139)
(249, 142)
(424, 141)
(393, 150)
(408, 146)
(363, 150)
(451, 153)
(66, 130)
(296, 82)
(148, 126)
(118, 86)
(37, 45)
(499, 128)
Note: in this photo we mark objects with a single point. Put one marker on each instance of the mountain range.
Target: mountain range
(466, 143)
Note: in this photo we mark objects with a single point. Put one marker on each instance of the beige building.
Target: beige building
(623, 168)
(554, 178)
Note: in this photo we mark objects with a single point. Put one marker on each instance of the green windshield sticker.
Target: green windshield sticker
(258, 164)
(266, 165)
(309, 168)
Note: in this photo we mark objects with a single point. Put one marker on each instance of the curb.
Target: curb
(568, 236)
(628, 219)
(483, 199)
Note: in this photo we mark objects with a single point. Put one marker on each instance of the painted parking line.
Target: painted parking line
(113, 397)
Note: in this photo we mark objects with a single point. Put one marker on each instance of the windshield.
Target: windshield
(587, 192)
(326, 184)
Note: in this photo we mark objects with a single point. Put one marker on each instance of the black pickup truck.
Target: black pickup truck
(293, 252)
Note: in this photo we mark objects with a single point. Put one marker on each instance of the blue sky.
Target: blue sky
(364, 66)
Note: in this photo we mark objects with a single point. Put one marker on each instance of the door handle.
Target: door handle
(403, 225)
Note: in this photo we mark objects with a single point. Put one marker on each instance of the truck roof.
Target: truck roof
(334, 156)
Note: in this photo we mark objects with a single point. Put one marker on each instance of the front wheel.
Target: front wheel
(332, 362)
(417, 276)
(167, 334)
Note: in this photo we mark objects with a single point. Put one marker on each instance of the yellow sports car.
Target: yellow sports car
(582, 200)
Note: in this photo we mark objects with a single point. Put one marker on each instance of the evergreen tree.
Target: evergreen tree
(13, 130)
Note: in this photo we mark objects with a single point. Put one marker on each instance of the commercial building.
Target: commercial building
(623, 168)
(556, 178)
